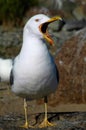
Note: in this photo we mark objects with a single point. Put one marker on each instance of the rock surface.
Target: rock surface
(71, 62)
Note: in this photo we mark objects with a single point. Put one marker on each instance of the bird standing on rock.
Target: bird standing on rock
(34, 74)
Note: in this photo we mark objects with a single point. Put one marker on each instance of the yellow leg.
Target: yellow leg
(45, 122)
(26, 125)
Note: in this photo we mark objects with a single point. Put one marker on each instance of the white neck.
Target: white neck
(33, 46)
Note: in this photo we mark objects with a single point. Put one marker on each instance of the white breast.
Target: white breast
(34, 72)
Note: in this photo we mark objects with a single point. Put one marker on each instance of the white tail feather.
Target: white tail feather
(5, 69)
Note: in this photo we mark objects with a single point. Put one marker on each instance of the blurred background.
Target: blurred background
(14, 12)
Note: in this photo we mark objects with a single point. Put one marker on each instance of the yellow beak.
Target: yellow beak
(43, 28)
(54, 19)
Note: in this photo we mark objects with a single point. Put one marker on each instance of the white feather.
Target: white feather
(5, 69)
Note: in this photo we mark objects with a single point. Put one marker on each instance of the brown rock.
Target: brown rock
(71, 62)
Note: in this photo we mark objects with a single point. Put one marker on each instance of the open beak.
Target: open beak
(43, 28)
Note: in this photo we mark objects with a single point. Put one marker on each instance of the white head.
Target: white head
(37, 25)
(34, 22)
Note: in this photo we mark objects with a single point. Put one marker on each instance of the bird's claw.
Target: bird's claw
(26, 126)
(46, 123)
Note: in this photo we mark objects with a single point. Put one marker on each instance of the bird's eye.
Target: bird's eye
(36, 20)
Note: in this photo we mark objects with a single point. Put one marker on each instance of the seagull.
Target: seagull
(34, 74)
(5, 69)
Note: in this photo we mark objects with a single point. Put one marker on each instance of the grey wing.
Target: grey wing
(11, 77)
(57, 73)
(11, 74)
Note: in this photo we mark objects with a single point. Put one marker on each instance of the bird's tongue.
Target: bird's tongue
(50, 40)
